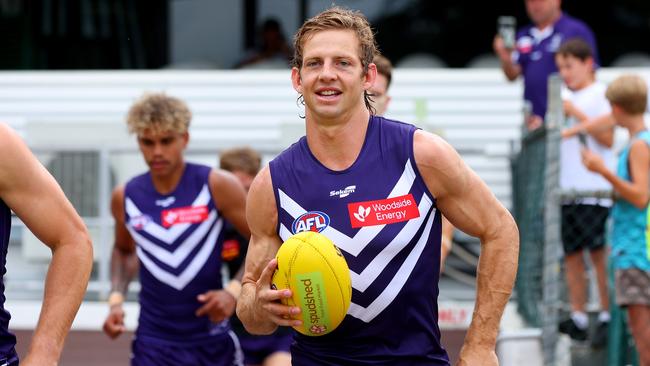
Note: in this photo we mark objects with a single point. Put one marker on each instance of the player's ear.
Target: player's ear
(370, 76)
(296, 81)
(186, 138)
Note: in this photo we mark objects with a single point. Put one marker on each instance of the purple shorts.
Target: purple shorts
(226, 352)
(258, 348)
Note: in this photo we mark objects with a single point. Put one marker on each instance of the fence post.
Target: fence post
(104, 245)
(552, 222)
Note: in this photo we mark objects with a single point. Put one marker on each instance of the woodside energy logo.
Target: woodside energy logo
(381, 212)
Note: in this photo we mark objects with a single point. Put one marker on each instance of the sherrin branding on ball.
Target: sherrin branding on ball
(316, 272)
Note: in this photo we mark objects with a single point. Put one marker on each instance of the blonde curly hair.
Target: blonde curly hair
(158, 112)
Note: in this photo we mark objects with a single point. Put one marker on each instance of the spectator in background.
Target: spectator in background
(583, 219)
(533, 56)
(630, 242)
(272, 47)
(379, 90)
(266, 350)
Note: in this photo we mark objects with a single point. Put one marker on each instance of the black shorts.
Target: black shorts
(583, 227)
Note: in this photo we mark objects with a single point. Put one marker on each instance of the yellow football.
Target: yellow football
(316, 272)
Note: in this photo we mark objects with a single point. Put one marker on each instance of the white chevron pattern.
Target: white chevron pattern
(181, 280)
(387, 296)
(175, 258)
(364, 279)
(365, 235)
(167, 235)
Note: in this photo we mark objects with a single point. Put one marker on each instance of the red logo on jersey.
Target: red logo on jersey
(380, 212)
(183, 215)
(525, 44)
(230, 249)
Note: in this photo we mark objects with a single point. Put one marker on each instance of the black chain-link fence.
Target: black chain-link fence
(548, 218)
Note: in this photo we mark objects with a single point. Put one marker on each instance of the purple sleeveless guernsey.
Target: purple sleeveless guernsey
(178, 241)
(8, 354)
(383, 218)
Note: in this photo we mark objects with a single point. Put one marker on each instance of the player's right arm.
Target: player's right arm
(509, 67)
(124, 266)
(258, 306)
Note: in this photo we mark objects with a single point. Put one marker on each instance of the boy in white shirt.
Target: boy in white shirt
(583, 219)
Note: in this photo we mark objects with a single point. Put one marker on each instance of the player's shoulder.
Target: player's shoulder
(141, 180)
(434, 155)
(262, 183)
(220, 177)
(392, 132)
(118, 192)
(392, 122)
(8, 139)
(5, 130)
(261, 205)
(431, 145)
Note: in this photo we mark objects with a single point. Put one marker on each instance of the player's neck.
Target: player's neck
(635, 124)
(166, 184)
(337, 145)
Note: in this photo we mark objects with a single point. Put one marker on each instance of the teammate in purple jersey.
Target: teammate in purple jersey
(259, 350)
(383, 185)
(28, 190)
(168, 223)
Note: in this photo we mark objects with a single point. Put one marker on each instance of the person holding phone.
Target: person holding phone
(583, 219)
(533, 53)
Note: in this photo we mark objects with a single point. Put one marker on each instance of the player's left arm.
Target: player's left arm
(33, 194)
(230, 197)
(469, 205)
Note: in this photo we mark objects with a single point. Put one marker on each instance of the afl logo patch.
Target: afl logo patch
(311, 221)
(139, 222)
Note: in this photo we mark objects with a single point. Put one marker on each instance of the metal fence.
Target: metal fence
(545, 214)
(537, 286)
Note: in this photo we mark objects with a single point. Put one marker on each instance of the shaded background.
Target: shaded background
(123, 34)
